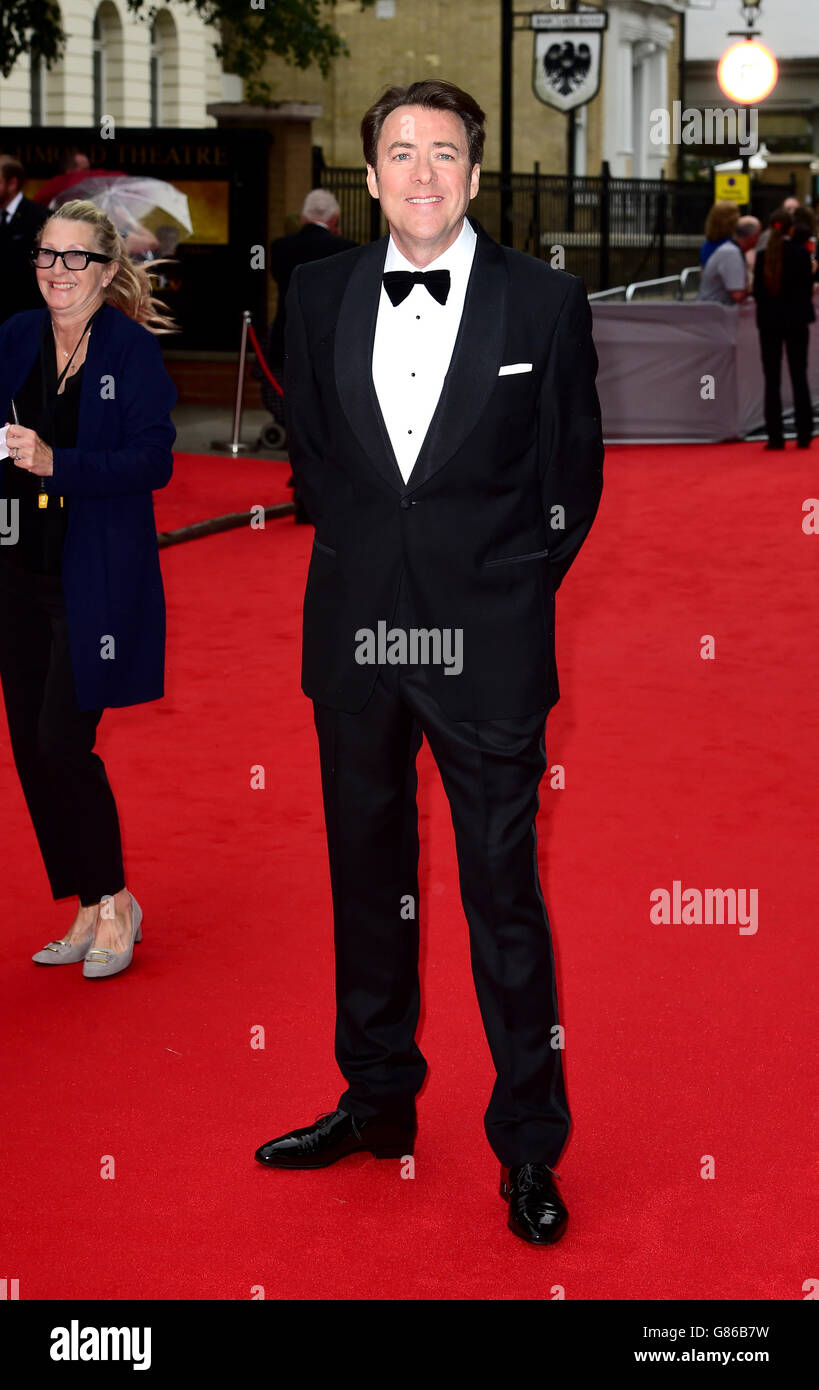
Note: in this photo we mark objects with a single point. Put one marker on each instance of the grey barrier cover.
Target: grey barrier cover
(654, 356)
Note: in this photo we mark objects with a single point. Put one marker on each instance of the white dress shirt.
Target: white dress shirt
(13, 206)
(413, 347)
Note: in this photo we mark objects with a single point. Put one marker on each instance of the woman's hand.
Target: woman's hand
(28, 451)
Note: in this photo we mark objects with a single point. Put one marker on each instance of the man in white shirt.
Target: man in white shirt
(445, 435)
(412, 350)
(20, 220)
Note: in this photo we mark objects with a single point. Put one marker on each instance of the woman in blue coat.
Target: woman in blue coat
(87, 401)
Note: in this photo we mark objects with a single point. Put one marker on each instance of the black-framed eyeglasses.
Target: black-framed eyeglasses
(43, 258)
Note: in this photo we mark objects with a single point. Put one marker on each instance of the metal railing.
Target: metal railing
(607, 230)
(618, 292)
(690, 282)
(666, 287)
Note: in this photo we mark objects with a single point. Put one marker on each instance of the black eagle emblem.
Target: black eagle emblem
(566, 67)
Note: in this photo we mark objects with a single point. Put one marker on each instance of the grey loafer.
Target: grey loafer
(64, 952)
(101, 962)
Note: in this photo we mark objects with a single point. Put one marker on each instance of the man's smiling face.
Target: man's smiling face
(423, 179)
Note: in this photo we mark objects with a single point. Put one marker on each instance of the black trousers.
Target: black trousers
(64, 782)
(490, 771)
(772, 338)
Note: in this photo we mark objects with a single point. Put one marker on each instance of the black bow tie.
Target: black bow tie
(399, 283)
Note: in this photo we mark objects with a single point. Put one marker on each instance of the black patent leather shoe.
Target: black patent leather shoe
(337, 1134)
(536, 1211)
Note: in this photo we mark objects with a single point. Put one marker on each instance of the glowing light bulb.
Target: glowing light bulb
(747, 71)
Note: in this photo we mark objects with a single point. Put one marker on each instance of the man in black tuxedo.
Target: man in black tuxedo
(20, 220)
(445, 434)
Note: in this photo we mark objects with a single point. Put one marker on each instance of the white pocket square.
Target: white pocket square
(514, 368)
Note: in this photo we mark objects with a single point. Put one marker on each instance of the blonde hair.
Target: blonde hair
(130, 289)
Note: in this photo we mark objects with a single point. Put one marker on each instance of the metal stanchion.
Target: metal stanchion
(235, 446)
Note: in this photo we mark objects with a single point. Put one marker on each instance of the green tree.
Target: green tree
(246, 32)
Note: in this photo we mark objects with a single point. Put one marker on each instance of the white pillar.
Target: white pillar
(15, 95)
(624, 152)
(580, 135)
(644, 53)
(657, 157)
(69, 86)
(134, 76)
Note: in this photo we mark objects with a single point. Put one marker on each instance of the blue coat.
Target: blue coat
(115, 604)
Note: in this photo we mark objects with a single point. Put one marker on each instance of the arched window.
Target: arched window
(108, 49)
(164, 70)
(156, 76)
(36, 89)
(98, 68)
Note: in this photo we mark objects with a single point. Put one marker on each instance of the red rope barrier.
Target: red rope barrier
(260, 355)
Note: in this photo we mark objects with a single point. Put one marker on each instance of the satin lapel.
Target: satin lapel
(355, 334)
(476, 358)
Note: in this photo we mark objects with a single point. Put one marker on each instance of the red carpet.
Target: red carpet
(683, 1041)
(207, 485)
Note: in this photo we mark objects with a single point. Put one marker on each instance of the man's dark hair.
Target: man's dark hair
(434, 94)
(11, 168)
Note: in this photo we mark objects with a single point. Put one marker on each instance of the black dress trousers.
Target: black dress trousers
(491, 770)
(794, 338)
(64, 781)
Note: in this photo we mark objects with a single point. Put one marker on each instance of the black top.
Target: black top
(312, 242)
(18, 282)
(793, 305)
(42, 530)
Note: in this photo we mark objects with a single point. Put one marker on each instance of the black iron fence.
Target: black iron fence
(609, 231)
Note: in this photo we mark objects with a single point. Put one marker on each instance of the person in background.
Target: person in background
(319, 236)
(74, 161)
(88, 437)
(789, 205)
(20, 220)
(804, 234)
(724, 278)
(783, 289)
(720, 226)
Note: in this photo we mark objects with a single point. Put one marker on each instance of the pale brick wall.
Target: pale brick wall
(191, 72)
(460, 43)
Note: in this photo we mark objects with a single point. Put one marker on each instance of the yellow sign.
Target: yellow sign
(732, 188)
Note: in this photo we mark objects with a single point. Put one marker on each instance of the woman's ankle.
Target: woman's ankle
(115, 904)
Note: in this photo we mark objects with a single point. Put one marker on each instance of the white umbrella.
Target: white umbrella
(138, 207)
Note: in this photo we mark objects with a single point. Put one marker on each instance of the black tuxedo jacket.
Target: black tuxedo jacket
(311, 242)
(501, 497)
(18, 283)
